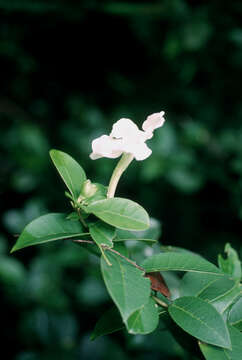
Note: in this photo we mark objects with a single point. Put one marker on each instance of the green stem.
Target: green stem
(160, 302)
(124, 257)
(104, 247)
(81, 219)
(118, 171)
(104, 256)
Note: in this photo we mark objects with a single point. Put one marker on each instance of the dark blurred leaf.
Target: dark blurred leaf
(12, 272)
(127, 9)
(110, 322)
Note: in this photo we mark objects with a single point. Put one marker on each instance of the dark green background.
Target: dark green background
(69, 69)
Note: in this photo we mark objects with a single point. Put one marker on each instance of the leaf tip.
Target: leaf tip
(52, 152)
(14, 248)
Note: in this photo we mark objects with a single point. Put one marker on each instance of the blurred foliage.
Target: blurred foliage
(68, 71)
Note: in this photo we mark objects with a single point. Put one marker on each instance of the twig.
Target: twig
(83, 241)
(113, 251)
(124, 257)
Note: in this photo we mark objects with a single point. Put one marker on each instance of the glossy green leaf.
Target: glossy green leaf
(145, 320)
(224, 301)
(109, 323)
(180, 262)
(231, 265)
(216, 353)
(211, 352)
(122, 213)
(235, 315)
(194, 283)
(201, 320)
(127, 286)
(47, 228)
(102, 233)
(219, 291)
(71, 172)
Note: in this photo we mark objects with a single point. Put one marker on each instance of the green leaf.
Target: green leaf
(100, 194)
(195, 284)
(219, 291)
(96, 250)
(179, 262)
(215, 353)
(224, 301)
(122, 213)
(127, 286)
(90, 248)
(201, 320)
(109, 323)
(169, 248)
(71, 172)
(126, 235)
(236, 340)
(232, 264)
(152, 234)
(235, 315)
(102, 233)
(47, 228)
(145, 320)
(122, 249)
(211, 352)
(73, 216)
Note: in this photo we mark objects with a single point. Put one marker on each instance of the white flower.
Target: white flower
(105, 146)
(126, 137)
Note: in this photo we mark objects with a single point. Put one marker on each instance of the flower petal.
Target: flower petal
(125, 129)
(139, 149)
(104, 146)
(153, 122)
(126, 137)
(142, 152)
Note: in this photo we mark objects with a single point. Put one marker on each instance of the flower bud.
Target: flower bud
(88, 190)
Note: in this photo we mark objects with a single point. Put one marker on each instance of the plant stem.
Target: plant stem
(83, 241)
(112, 250)
(118, 171)
(160, 302)
(81, 219)
(124, 257)
(104, 256)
